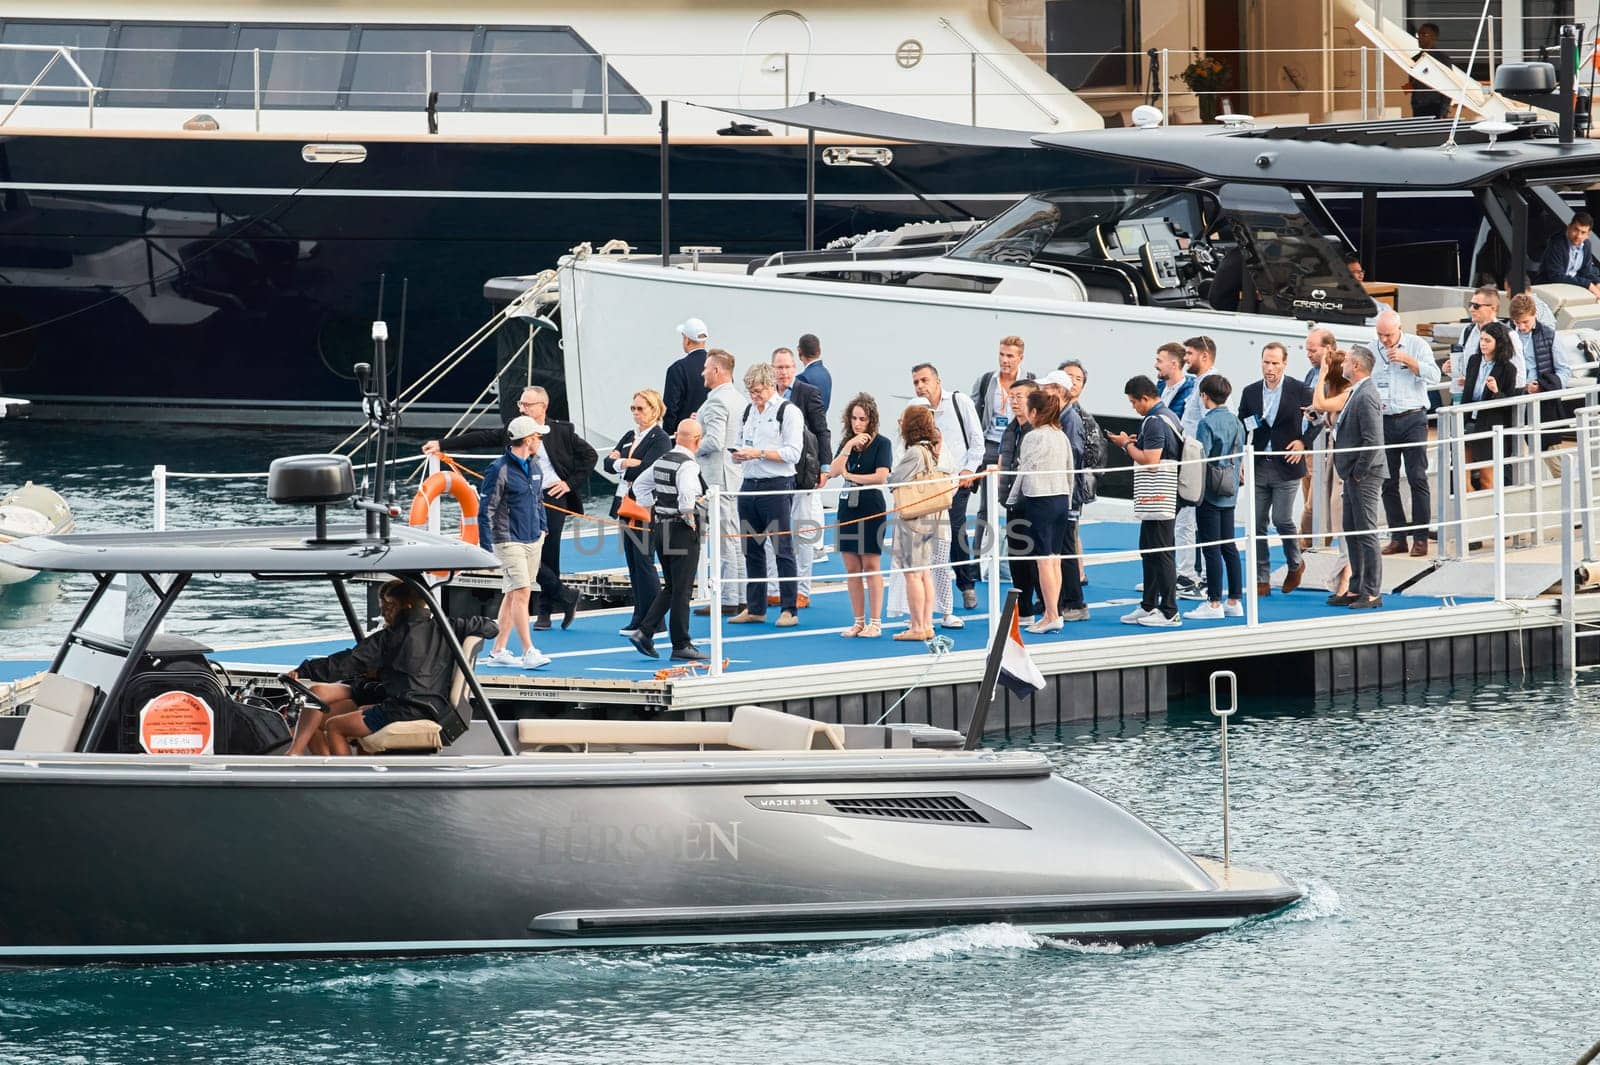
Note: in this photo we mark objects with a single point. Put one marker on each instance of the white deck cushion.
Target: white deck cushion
(420, 735)
(756, 728)
(1578, 316)
(582, 732)
(56, 716)
(1559, 296)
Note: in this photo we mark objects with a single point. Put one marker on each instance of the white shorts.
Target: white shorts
(520, 563)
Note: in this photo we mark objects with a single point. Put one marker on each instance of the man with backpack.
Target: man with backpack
(770, 443)
(815, 447)
(1160, 439)
(991, 394)
(961, 434)
(1200, 355)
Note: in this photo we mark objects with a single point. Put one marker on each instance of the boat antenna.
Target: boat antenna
(991, 672)
(400, 353)
(1472, 60)
(380, 413)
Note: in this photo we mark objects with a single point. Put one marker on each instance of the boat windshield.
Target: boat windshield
(1065, 222)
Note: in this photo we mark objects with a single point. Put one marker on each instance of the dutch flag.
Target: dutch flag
(1017, 671)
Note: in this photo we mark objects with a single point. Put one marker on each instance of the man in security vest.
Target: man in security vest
(671, 488)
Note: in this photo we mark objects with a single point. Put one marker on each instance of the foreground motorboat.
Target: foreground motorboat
(142, 770)
(32, 510)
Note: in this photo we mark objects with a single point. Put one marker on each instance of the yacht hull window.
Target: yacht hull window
(525, 69)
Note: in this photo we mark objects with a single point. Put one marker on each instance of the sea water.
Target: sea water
(1446, 839)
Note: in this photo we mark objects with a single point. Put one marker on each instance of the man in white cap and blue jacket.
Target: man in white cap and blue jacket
(685, 389)
(511, 523)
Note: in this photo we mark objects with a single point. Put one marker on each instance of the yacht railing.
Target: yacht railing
(1339, 83)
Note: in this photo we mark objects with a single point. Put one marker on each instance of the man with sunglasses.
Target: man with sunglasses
(1404, 375)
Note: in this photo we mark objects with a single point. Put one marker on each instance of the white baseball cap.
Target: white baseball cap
(1057, 377)
(694, 329)
(523, 427)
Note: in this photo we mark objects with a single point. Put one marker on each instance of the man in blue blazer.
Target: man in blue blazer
(1272, 410)
(1566, 258)
(813, 373)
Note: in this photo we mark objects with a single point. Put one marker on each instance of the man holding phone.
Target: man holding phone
(718, 420)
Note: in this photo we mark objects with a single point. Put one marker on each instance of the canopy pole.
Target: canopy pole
(991, 672)
(811, 182)
(666, 191)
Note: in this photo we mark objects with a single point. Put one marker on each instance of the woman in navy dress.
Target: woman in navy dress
(863, 461)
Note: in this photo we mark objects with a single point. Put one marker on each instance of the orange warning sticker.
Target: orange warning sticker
(176, 723)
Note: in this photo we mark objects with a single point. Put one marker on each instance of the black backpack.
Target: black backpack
(1094, 455)
(807, 471)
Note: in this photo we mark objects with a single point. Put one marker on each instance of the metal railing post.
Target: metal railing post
(605, 95)
(1441, 481)
(433, 504)
(1533, 446)
(1499, 456)
(1222, 714)
(159, 476)
(788, 92)
(1585, 432)
(714, 505)
(991, 493)
(1458, 490)
(255, 83)
(1166, 90)
(1247, 489)
(1363, 83)
(973, 84)
(427, 77)
(1567, 653)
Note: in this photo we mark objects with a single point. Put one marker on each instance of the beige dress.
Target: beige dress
(914, 538)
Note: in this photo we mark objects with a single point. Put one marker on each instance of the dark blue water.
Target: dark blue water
(1448, 844)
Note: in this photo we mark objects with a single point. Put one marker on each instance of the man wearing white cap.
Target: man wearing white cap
(685, 389)
(512, 525)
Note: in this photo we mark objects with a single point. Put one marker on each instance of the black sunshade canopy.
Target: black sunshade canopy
(832, 116)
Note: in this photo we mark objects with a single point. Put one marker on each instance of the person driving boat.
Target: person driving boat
(401, 672)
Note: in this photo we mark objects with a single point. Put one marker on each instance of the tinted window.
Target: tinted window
(20, 68)
(548, 69)
(388, 81)
(170, 66)
(301, 66)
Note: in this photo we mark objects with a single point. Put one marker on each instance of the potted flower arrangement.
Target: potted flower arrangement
(1206, 77)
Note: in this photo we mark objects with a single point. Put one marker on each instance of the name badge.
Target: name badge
(1000, 421)
(1252, 423)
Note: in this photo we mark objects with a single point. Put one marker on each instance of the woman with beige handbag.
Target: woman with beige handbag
(921, 516)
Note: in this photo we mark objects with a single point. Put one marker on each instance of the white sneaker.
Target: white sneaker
(1157, 620)
(1139, 614)
(1231, 609)
(503, 657)
(1206, 612)
(534, 659)
(1139, 587)
(952, 622)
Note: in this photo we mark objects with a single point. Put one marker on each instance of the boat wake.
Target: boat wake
(1320, 901)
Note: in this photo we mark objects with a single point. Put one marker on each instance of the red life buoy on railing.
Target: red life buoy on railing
(462, 492)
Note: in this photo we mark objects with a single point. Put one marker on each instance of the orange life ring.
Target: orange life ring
(462, 492)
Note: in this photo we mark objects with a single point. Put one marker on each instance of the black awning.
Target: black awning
(831, 116)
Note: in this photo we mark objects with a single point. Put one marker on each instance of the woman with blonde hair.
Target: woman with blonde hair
(914, 538)
(636, 452)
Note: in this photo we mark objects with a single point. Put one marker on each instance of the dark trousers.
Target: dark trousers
(1409, 428)
(678, 548)
(1071, 583)
(641, 571)
(1024, 572)
(961, 549)
(768, 518)
(552, 593)
(1156, 540)
(1213, 523)
(1360, 542)
(980, 535)
(1274, 505)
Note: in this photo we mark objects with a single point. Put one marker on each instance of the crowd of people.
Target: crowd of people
(771, 443)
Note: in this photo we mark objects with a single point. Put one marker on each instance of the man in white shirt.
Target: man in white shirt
(991, 395)
(718, 417)
(962, 435)
(769, 444)
(671, 488)
(1200, 355)
(1404, 374)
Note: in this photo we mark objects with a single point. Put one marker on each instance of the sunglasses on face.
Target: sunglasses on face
(636, 407)
(1480, 306)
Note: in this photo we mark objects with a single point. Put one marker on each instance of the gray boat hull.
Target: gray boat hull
(126, 858)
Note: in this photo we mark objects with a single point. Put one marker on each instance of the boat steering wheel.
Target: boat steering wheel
(302, 693)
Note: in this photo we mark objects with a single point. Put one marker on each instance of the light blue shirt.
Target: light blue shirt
(762, 431)
(1270, 397)
(1575, 257)
(1399, 388)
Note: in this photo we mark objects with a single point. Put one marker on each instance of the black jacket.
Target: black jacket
(685, 389)
(655, 444)
(1505, 376)
(809, 399)
(411, 660)
(1277, 436)
(574, 460)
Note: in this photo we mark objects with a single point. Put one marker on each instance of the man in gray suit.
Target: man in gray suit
(718, 417)
(1360, 425)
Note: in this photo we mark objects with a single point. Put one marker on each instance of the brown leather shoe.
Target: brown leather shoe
(1291, 580)
(1419, 549)
(802, 601)
(1395, 547)
(773, 600)
(1263, 589)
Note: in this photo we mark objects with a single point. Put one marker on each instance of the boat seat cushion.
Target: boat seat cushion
(1560, 296)
(756, 728)
(56, 716)
(538, 733)
(403, 737)
(1578, 316)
